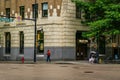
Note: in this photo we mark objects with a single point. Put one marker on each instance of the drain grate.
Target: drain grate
(88, 72)
(63, 63)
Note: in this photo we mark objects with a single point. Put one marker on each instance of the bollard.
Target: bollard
(22, 59)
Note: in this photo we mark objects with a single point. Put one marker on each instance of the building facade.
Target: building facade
(58, 29)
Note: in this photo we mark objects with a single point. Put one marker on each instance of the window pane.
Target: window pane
(78, 11)
(40, 42)
(45, 6)
(8, 42)
(22, 11)
(21, 42)
(35, 10)
(8, 12)
(44, 9)
(45, 13)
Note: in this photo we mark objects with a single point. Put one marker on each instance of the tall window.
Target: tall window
(22, 12)
(8, 12)
(21, 42)
(8, 42)
(101, 44)
(78, 12)
(35, 10)
(45, 9)
(40, 42)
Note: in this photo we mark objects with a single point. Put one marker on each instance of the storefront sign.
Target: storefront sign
(6, 19)
(19, 21)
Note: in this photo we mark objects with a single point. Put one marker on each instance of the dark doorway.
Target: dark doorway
(81, 46)
(115, 53)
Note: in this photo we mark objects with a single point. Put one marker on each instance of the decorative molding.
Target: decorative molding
(28, 9)
(58, 6)
(13, 12)
(1, 13)
(51, 7)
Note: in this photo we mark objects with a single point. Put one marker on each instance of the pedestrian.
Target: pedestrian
(48, 56)
(92, 58)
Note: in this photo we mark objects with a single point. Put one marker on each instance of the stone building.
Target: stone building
(58, 29)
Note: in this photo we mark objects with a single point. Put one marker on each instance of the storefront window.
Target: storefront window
(40, 42)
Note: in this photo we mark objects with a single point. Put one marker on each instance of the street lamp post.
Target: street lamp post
(35, 33)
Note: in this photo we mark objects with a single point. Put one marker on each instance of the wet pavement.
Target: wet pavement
(59, 71)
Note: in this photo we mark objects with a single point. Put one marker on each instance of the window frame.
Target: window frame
(22, 11)
(7, 12)
(35, 8)
(44, 11)
(40, 42)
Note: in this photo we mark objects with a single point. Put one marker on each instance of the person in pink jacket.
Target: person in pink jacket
(48, 56)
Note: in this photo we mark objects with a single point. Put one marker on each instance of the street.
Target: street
(53, 71)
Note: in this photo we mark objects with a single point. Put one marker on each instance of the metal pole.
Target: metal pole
(35, 33)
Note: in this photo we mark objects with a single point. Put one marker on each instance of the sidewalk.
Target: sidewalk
(71, 62)
(42, 62)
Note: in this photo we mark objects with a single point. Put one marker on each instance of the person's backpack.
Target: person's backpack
(48, 53)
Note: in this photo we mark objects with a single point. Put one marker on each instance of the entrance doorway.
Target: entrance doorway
(81, 46)
(115, 53)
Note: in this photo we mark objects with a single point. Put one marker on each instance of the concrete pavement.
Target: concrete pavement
(59, 70)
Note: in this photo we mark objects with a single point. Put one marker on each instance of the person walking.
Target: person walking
(48, 56)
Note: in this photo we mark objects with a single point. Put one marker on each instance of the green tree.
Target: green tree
(102, 16)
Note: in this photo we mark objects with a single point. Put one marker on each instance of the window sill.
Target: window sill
(40, 55)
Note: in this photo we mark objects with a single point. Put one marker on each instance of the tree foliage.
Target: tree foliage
(103, 16)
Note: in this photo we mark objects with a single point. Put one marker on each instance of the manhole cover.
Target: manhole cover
(88, 72)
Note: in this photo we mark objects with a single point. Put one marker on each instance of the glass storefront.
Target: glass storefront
(40, 42)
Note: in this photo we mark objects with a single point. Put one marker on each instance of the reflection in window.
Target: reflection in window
(40, 42)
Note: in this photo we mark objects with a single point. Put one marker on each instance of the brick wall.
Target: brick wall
(14, 6)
